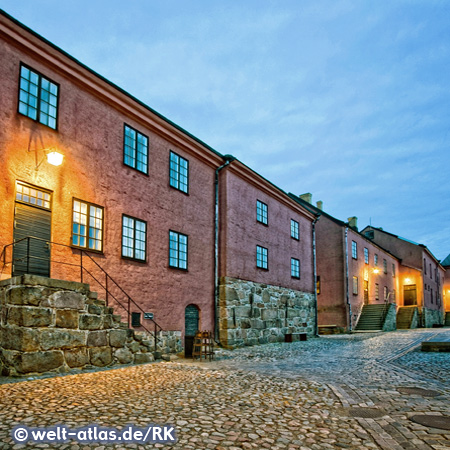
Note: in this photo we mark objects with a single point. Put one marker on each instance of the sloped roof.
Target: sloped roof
(446, 261)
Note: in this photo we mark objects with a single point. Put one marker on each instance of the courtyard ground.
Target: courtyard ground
(354, 391)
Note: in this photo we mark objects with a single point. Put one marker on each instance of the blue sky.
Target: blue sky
(348, 100)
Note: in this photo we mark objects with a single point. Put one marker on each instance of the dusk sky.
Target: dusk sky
(348, 100)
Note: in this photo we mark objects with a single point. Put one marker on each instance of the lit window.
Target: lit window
(354, 250)
(178, 250)
(135, 150)
(318, 285)
(261, 257)
(38, 97)
(295, 229)
(179, 171)
(295, 268)
(87, 226)
(355, 285)
(366, 255)
(134, 238)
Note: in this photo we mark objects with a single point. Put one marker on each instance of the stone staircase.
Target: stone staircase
(371, 318)
(405, 316)
(447, 319)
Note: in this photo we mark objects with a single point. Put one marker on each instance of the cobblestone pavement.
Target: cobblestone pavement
(302, 395)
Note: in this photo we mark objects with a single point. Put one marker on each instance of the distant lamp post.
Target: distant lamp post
(55, 158)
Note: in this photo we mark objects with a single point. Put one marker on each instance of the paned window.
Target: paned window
(375, 259)
(38, 97)
(295, 229)
(354, 250)
(178, 250)
(377, 291)
(33, 196)
(385, 266)
(295, 268)
(135, 149)
(87, 226)
(134, 238)
(366, 255)
(179, 172)
(261, 212)
(261, 257)
(355, 285)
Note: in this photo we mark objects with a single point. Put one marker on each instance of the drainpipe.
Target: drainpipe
(347, 295)
(316, 312)
(228, 159)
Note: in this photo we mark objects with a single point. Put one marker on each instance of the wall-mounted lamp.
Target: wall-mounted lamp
(376, 270)
(407, 280)
(53, 157)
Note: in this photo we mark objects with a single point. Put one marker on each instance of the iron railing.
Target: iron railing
(108, 284)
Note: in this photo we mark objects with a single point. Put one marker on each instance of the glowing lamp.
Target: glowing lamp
(376, 270)
(407, 280)
(55, 158)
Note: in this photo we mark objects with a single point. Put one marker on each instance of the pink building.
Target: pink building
(132, 208)
(266, 270)
(352, 272)
(421, 281)
(446, 264)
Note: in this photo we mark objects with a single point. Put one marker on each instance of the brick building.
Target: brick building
(352, 271)
(446, 264)
(421, 281)
(136, 197)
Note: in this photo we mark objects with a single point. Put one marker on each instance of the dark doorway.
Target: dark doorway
(32, 219)
(409, 295)
(191, 326)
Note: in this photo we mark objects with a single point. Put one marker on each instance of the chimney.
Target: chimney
(319, 205)
(353, 223)
(306, 197)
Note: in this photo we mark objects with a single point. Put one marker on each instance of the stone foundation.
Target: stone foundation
(49, 325)
(253, 313)
(390, 321)
(432, 317)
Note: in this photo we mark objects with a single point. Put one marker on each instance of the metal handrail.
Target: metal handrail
(157, 327)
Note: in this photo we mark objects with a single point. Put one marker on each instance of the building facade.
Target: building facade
(133, 207)
(352, 271)
(421, 276)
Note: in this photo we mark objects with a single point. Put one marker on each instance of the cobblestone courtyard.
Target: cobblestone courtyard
(303, 395)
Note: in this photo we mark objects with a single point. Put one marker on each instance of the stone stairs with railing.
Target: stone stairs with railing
(371, 318)
(405, 315)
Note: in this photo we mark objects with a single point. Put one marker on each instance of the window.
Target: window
(377, 292)
(393, 270)
(355, 285)
(134, 238)
(386, 293)
(354, 250)
(393, 295)
(179, 172)
(38, 97)
(135, 149)
(431, 272)
(295, 268)
(366, 255)
(87, 226)
(424, 266)
(375, 259)
(295, 229)
(178, 250)
(318, 285)
(385, 266)
(261, 212)
(32, 195)
(261, 257)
